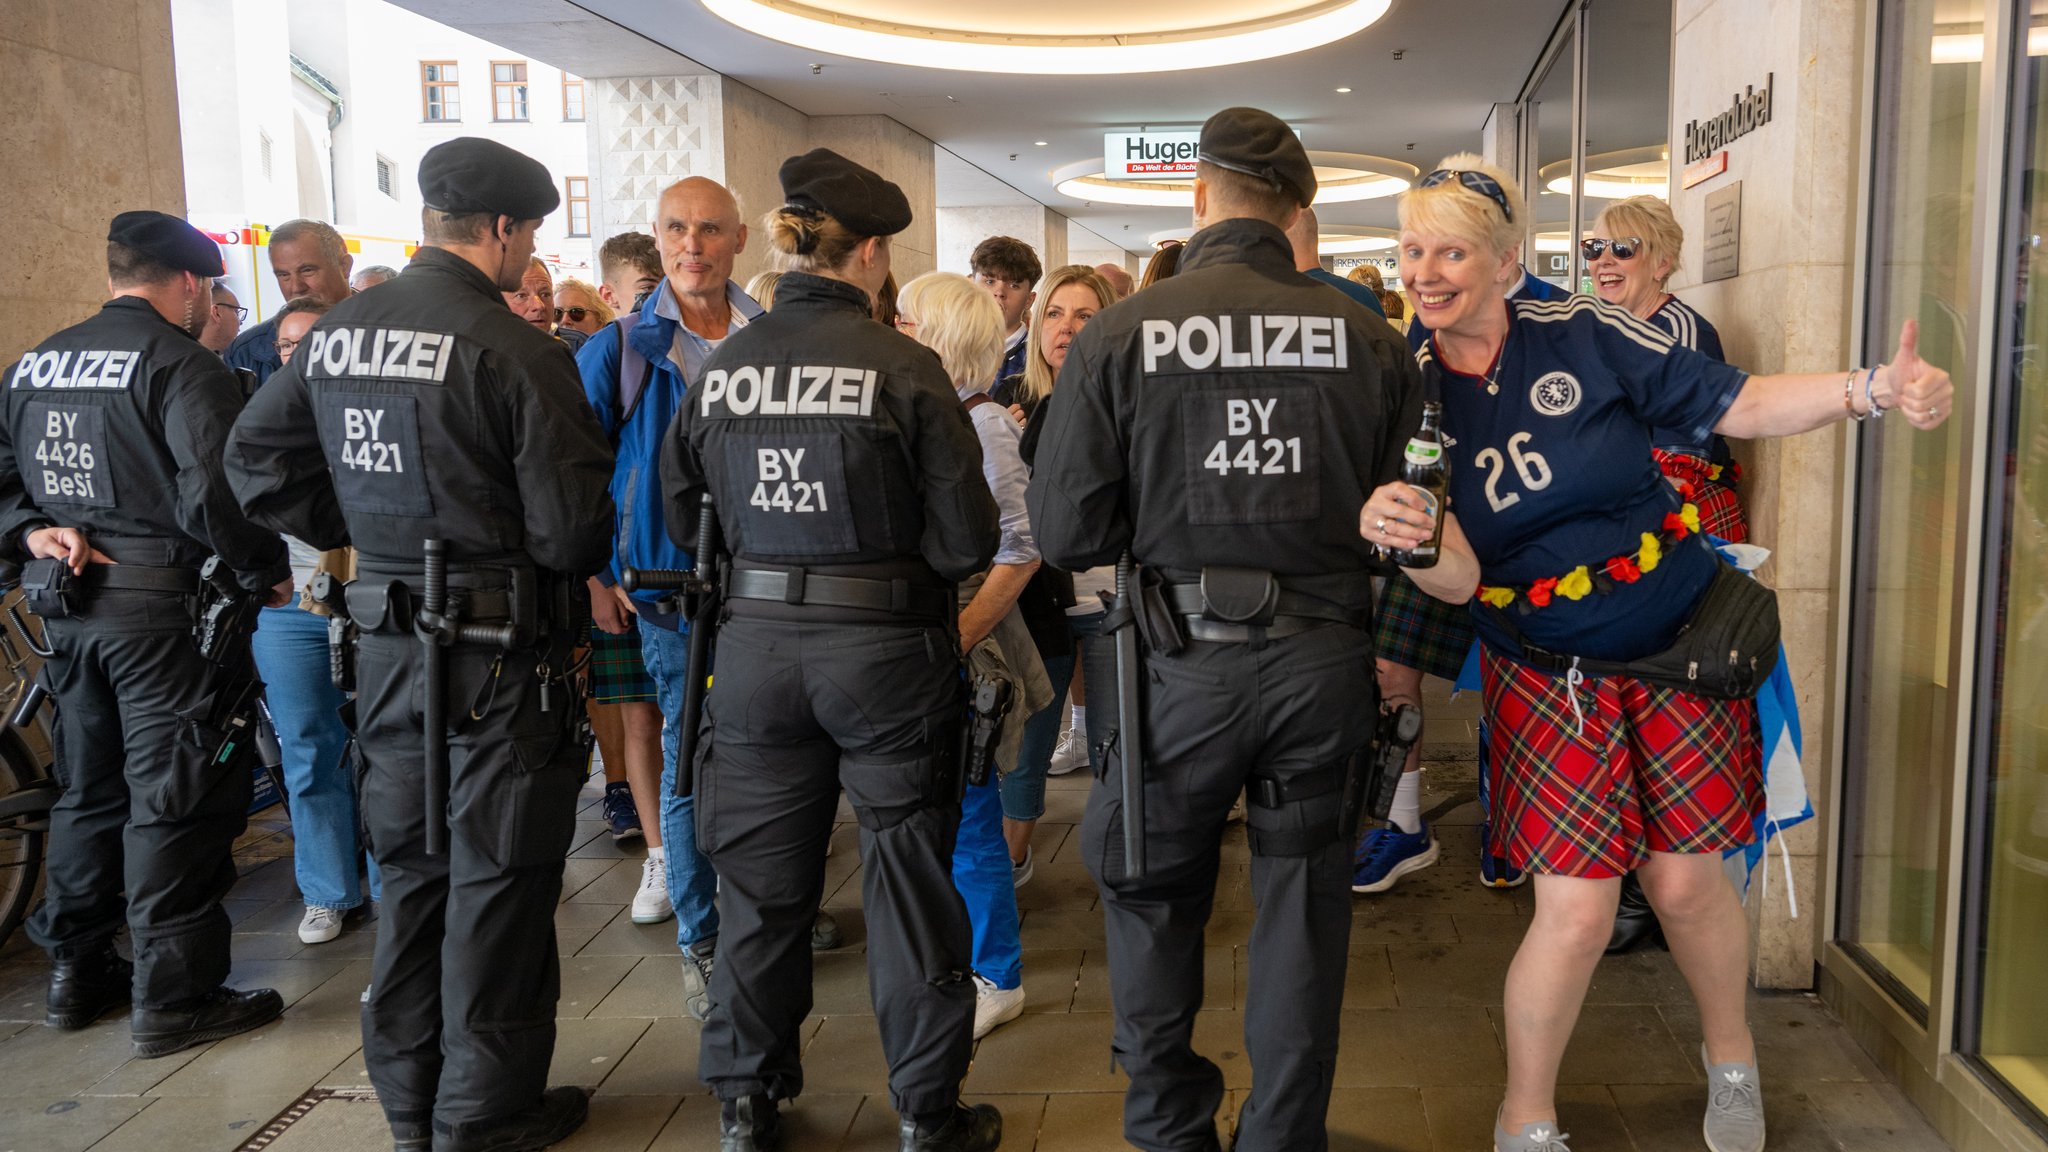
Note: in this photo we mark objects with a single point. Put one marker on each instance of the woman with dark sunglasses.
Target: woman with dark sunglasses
(1633, 252)
(1587, 554)
(579, 308)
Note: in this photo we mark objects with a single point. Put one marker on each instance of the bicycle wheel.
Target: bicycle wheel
(21, 850)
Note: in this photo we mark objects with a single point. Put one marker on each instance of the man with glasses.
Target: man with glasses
(309, 258)
(223, 320)
(1008, 268)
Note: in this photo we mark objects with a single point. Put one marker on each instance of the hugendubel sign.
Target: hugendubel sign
(1749, 111)
(1149, 155)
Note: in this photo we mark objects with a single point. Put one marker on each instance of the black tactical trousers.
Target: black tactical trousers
(796, 712)
(1216, 716)
(460, 1023)
(146, 808)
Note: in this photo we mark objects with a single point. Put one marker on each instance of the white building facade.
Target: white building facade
(320, 109)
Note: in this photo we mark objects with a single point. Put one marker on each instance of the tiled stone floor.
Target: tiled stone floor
(1420, 1069)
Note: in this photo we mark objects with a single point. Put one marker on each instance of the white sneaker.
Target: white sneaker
(1070, 754)
(650, 903)
(320, 925)
(994, 1006)
(1020, 872)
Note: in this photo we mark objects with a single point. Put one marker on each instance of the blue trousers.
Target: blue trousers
(1024, 786)
(981, 872)
(692, 885)
(291, 655)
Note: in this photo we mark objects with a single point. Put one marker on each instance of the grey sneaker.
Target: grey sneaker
(1542, 1136)
(697, 960)
(1735, 1107)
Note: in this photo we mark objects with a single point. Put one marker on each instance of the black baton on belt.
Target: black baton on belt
(697, 594)
(437, 627)
(1130, 740)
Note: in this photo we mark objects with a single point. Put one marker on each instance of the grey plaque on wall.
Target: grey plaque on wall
(1724, 234)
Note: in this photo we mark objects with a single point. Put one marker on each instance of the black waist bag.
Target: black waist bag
(1726, 650)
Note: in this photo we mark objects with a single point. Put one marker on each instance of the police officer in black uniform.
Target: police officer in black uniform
(110, 473)
(847, 483)
(1227, 427)
(427, 410)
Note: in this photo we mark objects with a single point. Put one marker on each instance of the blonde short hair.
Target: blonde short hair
(1648, 219)
(960, 321)
(762, 288)
(1453, 210)
(1368, 275)
(591, 299)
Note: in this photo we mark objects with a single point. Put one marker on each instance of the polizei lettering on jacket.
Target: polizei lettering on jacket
(787, 390)
(379, 354)
(86, 369)
(1200, 343)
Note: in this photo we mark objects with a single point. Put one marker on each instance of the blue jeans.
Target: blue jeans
(981, 873)
(290, 645)
(1024, 785)
(692, 885)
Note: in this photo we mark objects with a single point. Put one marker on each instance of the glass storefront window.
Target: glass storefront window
(2012, 1022)
(1903, 705)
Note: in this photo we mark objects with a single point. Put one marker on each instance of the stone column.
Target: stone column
(91, 131)
(648, 133)
(1786, 312)
(961, 229)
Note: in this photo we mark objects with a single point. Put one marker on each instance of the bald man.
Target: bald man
(635, 374)
(1118, 279)
(1307, 260)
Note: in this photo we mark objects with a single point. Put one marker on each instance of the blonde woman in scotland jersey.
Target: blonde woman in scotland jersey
(1549, 410)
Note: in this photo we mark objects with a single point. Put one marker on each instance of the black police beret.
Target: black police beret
(471, 174)
(168, 241)
(822, 180)
(1259, 144)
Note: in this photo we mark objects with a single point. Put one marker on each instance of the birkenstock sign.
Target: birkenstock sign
(1749, 111)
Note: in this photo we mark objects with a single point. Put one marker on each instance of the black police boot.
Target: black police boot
(217, 1015)
(1635, 922)
(560, 1112)
(968, 1128)
(748, 1124)
(85, 987)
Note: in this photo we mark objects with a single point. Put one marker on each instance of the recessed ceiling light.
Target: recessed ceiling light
(1340, 177)
(1614, 175)
(1030, 40)
(1343, 89)
(1041, 143)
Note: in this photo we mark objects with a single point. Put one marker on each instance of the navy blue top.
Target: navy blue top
(1552, 469)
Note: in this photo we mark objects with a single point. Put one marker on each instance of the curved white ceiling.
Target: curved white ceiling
(1056, 37)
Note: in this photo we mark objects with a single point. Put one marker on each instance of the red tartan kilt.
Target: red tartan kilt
(1721, 513)
(1655, 770)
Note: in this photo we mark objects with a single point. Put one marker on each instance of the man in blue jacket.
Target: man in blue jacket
(636, 388)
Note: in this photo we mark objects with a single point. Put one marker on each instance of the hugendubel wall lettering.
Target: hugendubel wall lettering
(1749, 111)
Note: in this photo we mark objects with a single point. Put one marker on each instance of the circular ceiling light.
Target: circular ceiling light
(1340, 177)
(1615, 175)
(1055, 37)
(1331, 239)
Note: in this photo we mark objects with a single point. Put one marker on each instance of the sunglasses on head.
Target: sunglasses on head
(1478, 182)
(573, 315)
(1624, 249)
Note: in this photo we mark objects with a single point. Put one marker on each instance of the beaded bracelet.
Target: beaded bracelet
(1849, 396)
(1877, 410)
